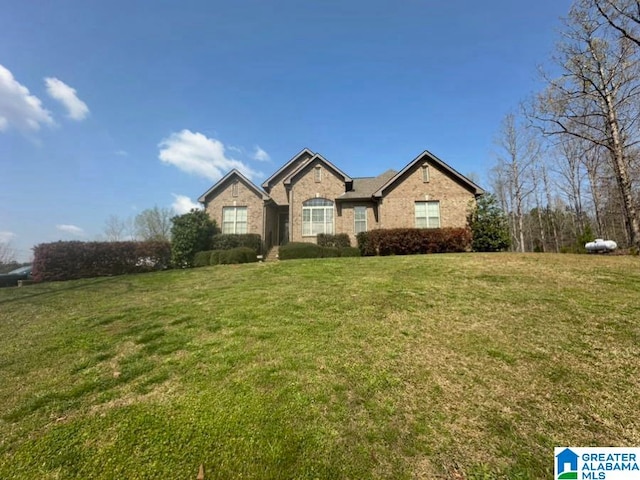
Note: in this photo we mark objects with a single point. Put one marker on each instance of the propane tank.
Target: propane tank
(600, 245)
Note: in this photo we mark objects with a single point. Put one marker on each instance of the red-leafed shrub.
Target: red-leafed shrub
(71, 260)
(410, 241)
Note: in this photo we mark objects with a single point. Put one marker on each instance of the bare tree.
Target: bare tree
(597, 97)
(519, 152)
(154, 224)
(117, 229)
(623, 16)
(7, 253)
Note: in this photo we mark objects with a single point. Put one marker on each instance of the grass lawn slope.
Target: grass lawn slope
(440, 366)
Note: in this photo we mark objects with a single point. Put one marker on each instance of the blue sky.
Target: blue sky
(108, 108)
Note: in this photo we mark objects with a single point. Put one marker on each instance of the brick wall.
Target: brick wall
(304, 188)
(247, 197)
(397, 209)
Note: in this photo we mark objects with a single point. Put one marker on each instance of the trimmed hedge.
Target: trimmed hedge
(295, 250)
(340, 240)
(299, 250)
(411, 241)
(225, 257)
(201, 259)
(233, 256)
(227, 241)
(71, 260)
(350, 252)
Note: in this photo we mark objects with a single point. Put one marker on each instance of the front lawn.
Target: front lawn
(437, 366)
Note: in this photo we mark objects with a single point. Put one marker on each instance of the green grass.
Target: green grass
(441, 366)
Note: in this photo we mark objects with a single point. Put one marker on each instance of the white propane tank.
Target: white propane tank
(600, 245)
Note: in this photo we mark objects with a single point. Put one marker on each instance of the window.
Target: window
(234, 189)
(427, 214)
(234, 220)
(318, 174)
(317, 217)
(425, 173)
(360, 219)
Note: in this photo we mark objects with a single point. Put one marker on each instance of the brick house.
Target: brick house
(310, 195)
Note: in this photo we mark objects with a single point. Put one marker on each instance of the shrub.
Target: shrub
(300, 250)
(328, 252)
(201, 259)
(190, 233)
(364, 244)
(350, 252)
(409, 241)
(226, 241)
(237, 255)
(489, 226)
(214, 258)
(71, 260)
(340, 240)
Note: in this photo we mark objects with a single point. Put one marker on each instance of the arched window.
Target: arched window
(317, 217)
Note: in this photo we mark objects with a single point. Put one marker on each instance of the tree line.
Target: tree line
(568, 164)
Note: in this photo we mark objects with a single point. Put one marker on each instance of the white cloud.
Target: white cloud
(72, 229)
(194, 153)
(183, 204)
(6, 237)
(60, 91)
(18, 107)
(122, 153)
(260, 155)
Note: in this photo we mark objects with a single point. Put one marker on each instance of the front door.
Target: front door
(283, 228)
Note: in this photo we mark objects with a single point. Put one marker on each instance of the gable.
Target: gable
(227, 182)
(317, 161)
(427, 158)
(288, 168)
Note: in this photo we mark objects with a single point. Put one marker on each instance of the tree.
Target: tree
(623, 16)
(519, 152)
(8, 260)
(191, 233)
(489, 225)
(116, 229)
(596, 98)
(154, 224)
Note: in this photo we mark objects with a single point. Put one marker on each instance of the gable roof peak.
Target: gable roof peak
(305, 152)
(234, 173)
(426, 155)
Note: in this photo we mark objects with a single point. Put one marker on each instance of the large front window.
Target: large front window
(427, 214)
(234, 220)
(317, 217)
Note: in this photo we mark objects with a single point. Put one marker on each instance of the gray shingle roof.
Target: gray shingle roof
(363, 188)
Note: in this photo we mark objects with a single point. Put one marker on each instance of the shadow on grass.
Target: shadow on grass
(52, 291)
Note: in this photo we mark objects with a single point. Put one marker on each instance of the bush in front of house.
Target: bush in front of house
(227, 241)
(350, 252)
(73, 260)
(296, 250)
(190, 233)
(411, 241)
(330, 252)
(339, 240)
(202, 259)
(233, 256)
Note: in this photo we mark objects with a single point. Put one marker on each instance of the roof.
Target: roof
(430, 157)
(320, 158)
(364, 187)
(223, 180)
(305, 152)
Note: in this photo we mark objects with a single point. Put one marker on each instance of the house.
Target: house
(309, 195)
